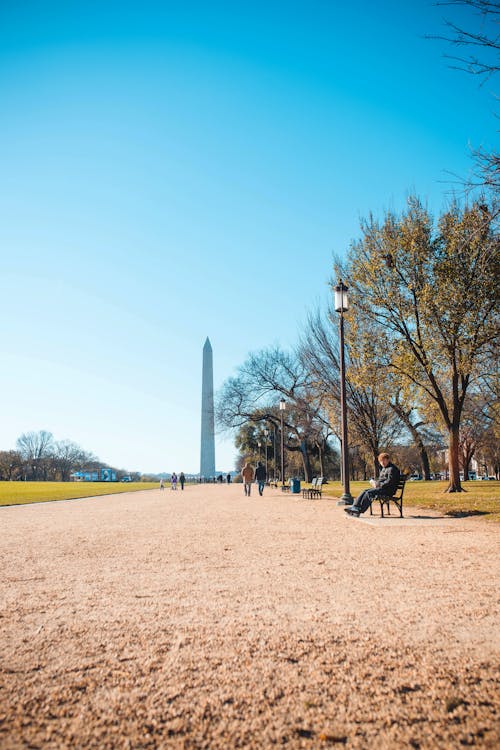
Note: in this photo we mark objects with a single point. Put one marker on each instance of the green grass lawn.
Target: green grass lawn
(481, 498)
(15, 493)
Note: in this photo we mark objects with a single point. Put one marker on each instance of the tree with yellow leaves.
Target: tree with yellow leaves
(433, 292)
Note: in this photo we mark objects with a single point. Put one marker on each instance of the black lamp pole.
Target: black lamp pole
(274, 452)
(282, 409)
(266, 433)
(341, 306)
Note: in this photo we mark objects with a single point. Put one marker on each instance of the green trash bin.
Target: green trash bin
(295, 485)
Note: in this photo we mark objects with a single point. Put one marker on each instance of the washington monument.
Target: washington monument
(207, 453)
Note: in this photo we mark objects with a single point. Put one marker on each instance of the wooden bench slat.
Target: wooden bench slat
(315, 489)
(397, 499)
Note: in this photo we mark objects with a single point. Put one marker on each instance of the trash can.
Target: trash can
(295, 485)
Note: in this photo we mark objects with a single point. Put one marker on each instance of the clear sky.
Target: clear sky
(177, 170)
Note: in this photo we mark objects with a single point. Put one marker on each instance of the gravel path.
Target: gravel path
(205, 619)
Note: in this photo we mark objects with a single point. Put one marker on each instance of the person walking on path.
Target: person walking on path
(162, 484)
(260, 476)
(247, 473)
(386, 484)
(182, 479)
(174, 481)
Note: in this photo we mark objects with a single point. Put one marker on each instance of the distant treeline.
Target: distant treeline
(39, 457)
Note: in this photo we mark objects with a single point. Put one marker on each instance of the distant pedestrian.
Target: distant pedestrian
(182, 479)
(173, 481)
(228, 478)
(260, 476)
(247, 473)
(162, 484)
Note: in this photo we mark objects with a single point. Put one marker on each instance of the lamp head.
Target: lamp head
(341, 297)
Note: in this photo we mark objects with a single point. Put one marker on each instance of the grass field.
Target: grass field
(16, 493)
(480, 498)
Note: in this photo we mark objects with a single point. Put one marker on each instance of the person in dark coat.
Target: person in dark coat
(182, 479)
(260, 476)
(386, 484)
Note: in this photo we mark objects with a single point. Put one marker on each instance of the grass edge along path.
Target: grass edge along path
(479, 499)
(21, 493)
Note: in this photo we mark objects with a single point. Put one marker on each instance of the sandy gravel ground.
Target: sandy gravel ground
(204, 619)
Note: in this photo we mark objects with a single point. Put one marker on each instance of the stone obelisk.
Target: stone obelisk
(207, 453)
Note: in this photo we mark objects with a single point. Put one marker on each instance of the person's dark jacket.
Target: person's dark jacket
(260, 473)
(388, 479)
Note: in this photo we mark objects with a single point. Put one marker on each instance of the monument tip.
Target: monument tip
(207, 344)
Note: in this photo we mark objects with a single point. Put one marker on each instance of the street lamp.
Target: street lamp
(266, 433)
(341, 306)
(282, 409)
(259, 445)
(274, 451)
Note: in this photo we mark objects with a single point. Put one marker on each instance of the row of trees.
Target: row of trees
(422, 352)
(422, 331)
(38, 456)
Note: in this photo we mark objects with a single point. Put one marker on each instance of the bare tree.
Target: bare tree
(480, 44)
(10, 465)
(372, 422)
(417, 427)
(68, 457)
(36, 448)
(253, 395)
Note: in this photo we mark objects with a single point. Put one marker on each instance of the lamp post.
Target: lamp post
(341, 306)
(282, 409)
(266, 433)
(274, 451)
(259, 445)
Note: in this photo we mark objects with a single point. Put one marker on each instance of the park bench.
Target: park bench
(315, 489)
(397, 499)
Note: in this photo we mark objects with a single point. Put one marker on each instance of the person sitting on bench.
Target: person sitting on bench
(385, 486)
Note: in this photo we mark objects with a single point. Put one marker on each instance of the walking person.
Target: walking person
(386, 484)
(162, 484)
(182, 479)
(173, 481)
(260, 476)
(247, 473)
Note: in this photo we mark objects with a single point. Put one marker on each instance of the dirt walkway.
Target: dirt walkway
(204, 619)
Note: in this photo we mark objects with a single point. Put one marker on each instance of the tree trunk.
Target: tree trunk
(466, 464)
(417, 439)
(305, 461)
(424, 458)
(454, 460)
(320, 456)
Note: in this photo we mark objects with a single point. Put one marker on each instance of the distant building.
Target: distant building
(94, 475)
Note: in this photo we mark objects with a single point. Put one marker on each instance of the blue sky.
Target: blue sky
(177, 170)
